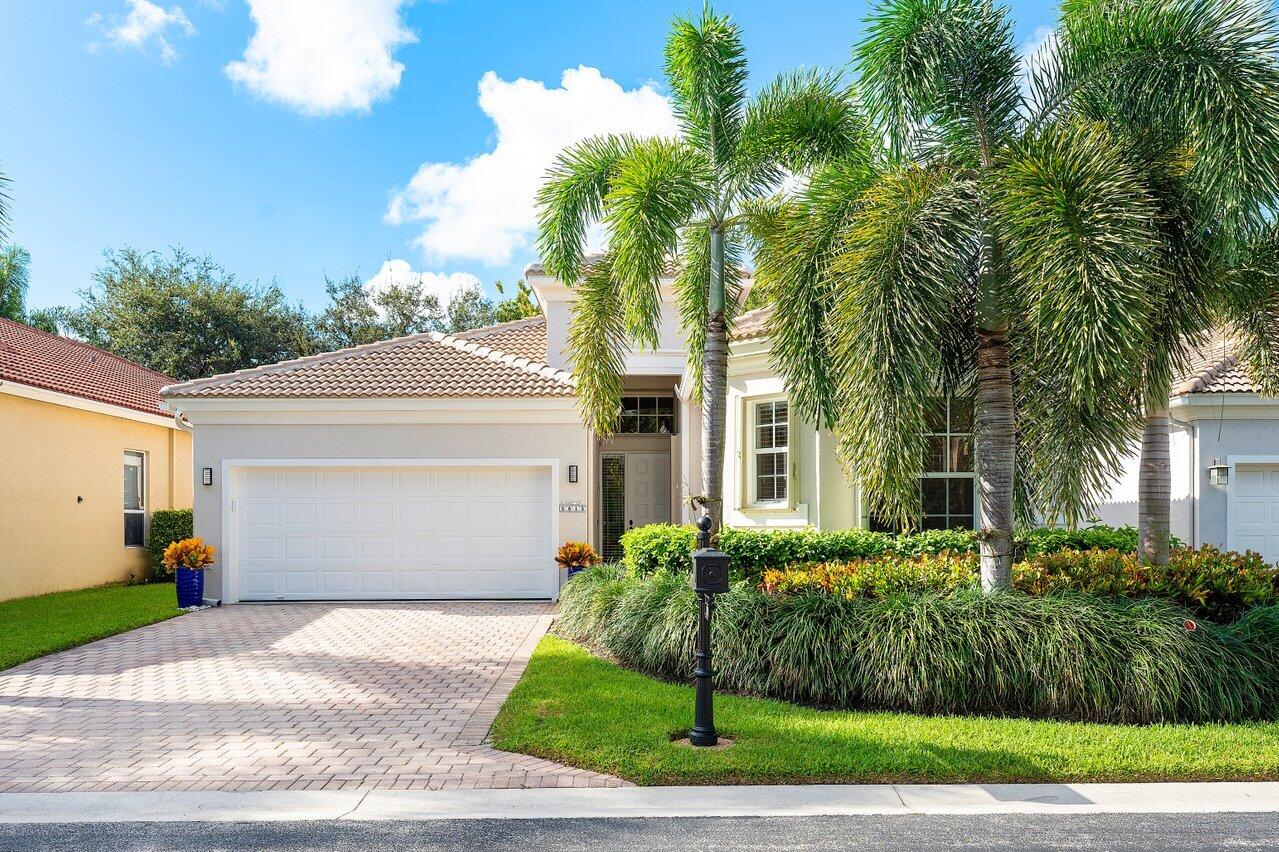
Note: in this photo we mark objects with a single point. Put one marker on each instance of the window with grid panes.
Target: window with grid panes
(948, 488)
(770, 449)
(646, 415)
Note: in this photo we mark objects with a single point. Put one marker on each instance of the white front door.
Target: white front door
(1254, 505)
(366, 533)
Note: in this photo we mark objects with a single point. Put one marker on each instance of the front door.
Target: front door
(636, 491)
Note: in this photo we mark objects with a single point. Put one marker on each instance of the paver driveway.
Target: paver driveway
(288, 696)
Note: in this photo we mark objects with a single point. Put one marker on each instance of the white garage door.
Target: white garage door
(1255, 507)
(337, 533)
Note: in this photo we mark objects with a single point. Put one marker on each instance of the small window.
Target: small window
(646, 415)
(135, 489)
(770, 451)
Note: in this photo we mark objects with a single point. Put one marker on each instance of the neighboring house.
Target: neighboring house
(88, 455)
(438, 466)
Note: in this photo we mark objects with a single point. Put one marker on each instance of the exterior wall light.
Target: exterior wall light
(1218, 473)
(206, 476)
(572, 473)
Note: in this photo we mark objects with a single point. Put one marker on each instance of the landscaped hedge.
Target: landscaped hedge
(167, 526)
(1213, 585)
(1066, 655)
(665, 547)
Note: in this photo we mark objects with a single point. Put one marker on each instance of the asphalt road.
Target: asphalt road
(914, 832)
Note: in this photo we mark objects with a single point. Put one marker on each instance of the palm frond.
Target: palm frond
(1077, 224)
(572, 199)
(706, 71)
(1204, 70)
(654, 192)
(598, 342)
(796, 243)
(4, 207)
(799, 121)
(1250, 308)
(944, 65)
(905, 263)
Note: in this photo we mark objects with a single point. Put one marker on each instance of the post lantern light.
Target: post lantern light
(710, 577)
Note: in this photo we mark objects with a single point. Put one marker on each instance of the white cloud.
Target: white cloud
(323, 57)
(145, 28)
(443, 285)
(483, 209)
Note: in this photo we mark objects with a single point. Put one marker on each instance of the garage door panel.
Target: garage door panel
(410, 532)
(1254, 510)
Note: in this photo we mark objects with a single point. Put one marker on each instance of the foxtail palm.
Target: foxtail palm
(997, 251)
(1193, 88)
(687, 199)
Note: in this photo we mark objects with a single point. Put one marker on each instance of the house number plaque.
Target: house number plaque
(572, 506)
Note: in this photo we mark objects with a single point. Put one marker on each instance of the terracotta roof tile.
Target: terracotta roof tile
(523, 337)
(420, 365)
(752, 324)
(36, 358)
(1214, 367)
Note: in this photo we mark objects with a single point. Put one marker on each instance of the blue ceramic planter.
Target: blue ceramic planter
(190, 585)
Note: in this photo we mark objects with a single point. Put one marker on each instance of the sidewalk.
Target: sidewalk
(834, 800)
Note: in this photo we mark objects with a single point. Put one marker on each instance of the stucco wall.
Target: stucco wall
(53, 454)
(1118, 507)
(214, 442)
(1220, 439)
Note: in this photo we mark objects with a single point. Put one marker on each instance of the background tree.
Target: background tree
(469, 308)
(689, 198)
(996, 250)
(185, 316)
(15, 265)
(1192, 86)
(357, 315)
(517, 306)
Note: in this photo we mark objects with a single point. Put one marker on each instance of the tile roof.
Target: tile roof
(752, 324)
(420, 365)
(524, 337)
(1214, 367)
(36, 358)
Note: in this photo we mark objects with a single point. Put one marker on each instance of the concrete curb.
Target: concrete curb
(638, 802)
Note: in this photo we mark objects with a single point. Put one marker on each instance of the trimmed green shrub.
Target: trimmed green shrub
(658, 547)
(879, 577)
(1068, 656)
(665, 547)
(167, 526)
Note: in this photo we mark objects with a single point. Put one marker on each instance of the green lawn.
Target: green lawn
(575, 708)
(33, 627)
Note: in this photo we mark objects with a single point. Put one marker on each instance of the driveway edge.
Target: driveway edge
(640, 802)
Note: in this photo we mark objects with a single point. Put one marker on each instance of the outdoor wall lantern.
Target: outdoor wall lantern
(572, 473)
(1218, 473)
(206, 476)
(710, 577)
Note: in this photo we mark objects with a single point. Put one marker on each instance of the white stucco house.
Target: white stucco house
(438, 466)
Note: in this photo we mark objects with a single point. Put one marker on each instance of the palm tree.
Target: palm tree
(690, 198)
(1193, 88)
(15, 266)
(1002, 249)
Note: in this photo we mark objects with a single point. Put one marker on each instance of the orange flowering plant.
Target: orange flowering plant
(577, 554)
(188, 553)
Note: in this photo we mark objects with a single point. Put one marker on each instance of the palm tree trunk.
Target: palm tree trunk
(1154, 488)
(714, 386)
(996, 449)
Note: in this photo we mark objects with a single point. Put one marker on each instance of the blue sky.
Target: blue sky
(291, 139)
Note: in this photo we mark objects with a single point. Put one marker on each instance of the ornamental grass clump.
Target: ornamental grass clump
(1066, 655)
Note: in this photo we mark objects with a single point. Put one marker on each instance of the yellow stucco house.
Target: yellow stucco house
(86, 455)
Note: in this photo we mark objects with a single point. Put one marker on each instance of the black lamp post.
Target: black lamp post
(710, 576)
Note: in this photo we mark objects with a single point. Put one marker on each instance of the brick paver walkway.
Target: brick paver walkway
(292, 696)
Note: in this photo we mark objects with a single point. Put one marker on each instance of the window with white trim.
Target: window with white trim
(135, 489)
(770, 452)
